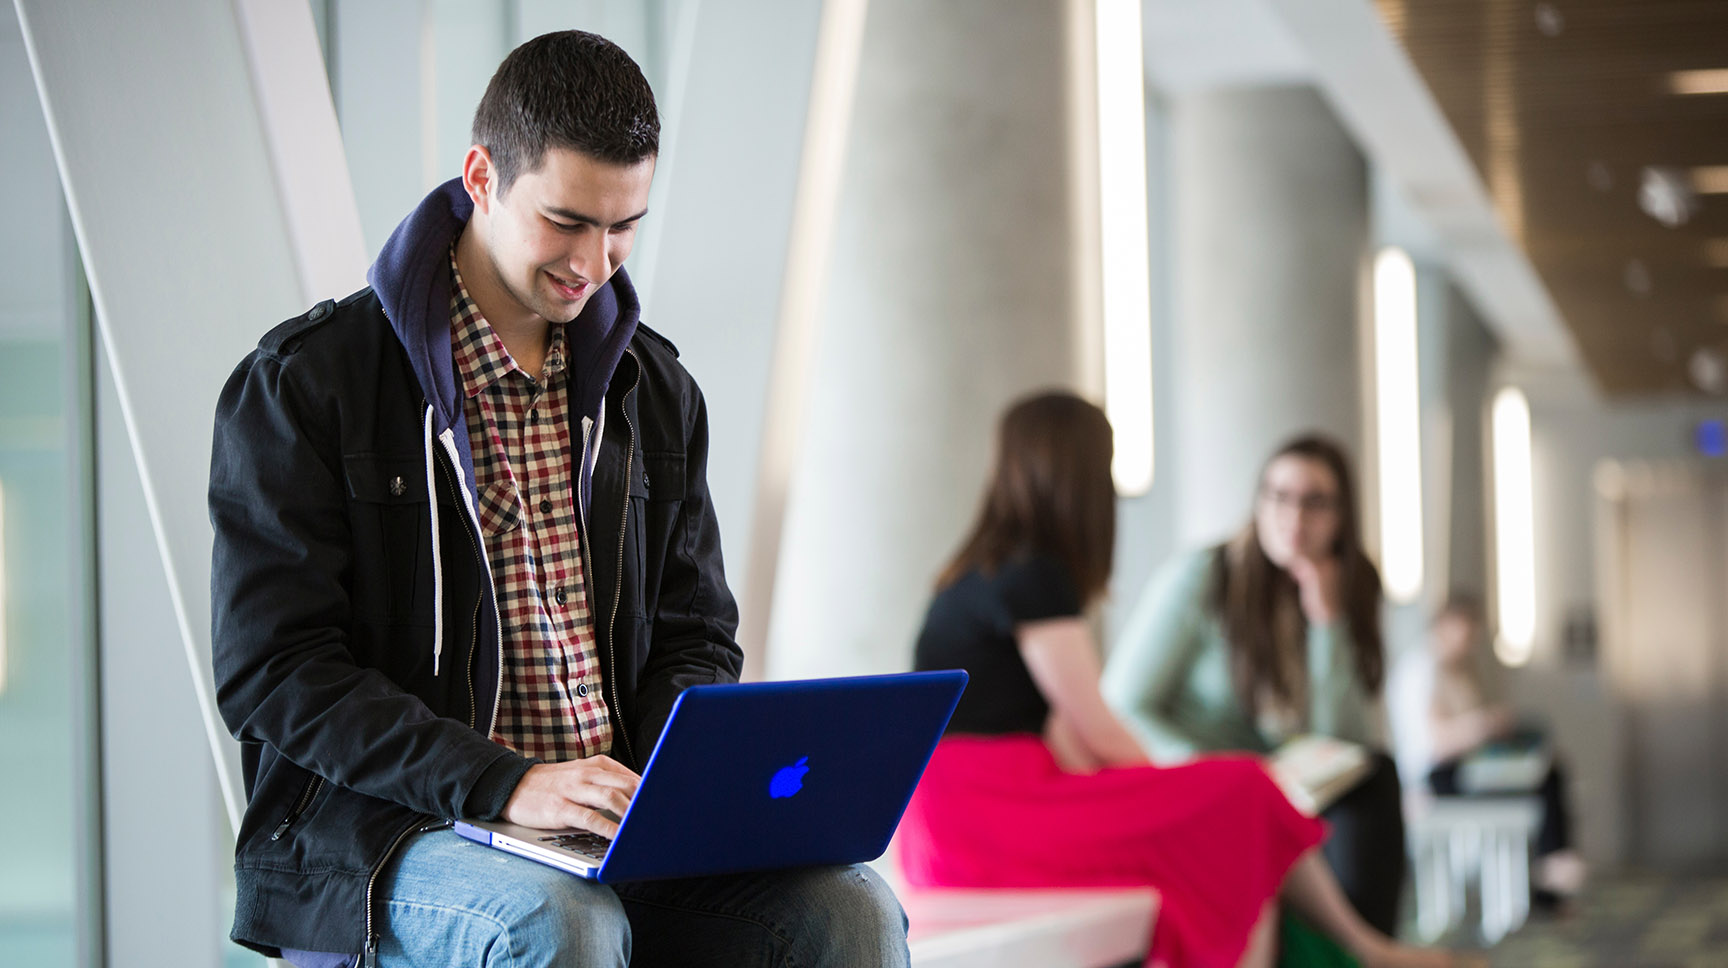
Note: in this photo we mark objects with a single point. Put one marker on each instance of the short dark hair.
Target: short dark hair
(1050, 494)
(568, 89)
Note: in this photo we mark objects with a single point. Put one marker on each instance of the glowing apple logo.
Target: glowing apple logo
(788, 780)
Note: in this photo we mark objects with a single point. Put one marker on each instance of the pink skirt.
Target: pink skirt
(1214, 837)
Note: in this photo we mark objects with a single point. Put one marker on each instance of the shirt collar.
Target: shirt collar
(480, 356)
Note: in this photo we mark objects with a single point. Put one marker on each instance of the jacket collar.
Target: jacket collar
(412, 279)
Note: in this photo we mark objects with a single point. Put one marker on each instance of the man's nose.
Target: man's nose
(591, 257)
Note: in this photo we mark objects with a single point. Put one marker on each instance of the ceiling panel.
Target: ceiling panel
(1561, 106)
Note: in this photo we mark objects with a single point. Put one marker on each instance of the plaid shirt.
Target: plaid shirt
(551, 706)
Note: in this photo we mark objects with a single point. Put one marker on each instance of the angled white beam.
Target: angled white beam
(305, 143)
(194, 186)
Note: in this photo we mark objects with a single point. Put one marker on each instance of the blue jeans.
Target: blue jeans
(448, 901)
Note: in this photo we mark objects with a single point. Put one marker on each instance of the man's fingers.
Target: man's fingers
(602, 798)
(589, 819)
(608, 764)
(577, 780)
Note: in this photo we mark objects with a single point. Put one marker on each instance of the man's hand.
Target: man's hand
(555, 796)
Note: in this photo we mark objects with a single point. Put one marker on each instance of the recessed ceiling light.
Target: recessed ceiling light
(1710, 179)
(1708, 369)
(1713, 81)
(1549, 20)
(1667, 195)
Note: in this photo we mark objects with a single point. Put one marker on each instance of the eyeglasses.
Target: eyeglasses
(1309, 502)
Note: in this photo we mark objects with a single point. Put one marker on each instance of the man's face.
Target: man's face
(558, 233)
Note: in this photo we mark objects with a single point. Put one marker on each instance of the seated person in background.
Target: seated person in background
(1463, 722)
(1038, 784)
(1274, 634)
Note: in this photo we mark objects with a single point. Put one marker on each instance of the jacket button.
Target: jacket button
(644, 480)
(398, 486)
(581, 689)
(561, 595)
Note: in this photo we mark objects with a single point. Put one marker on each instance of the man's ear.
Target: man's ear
(479, 177)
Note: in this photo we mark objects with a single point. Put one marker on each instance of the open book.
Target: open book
(1315, 771)
(1514, 765)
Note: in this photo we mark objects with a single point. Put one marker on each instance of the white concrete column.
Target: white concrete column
(949, 295)
(1271, 229)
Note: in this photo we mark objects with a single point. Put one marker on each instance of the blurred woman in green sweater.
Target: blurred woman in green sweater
(1274, 634)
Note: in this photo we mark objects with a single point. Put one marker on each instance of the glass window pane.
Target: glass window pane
(43, 595)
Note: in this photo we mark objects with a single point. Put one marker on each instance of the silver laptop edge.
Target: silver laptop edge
(528, 842)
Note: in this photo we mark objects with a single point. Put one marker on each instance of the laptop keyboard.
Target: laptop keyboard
(581, 842)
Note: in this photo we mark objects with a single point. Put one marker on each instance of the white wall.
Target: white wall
(1572, 430)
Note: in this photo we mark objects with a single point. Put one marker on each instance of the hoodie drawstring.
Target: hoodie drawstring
(437, 552)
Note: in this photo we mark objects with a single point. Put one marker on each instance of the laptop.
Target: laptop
(760, 776)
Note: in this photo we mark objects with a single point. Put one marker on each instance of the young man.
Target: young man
(465, 561)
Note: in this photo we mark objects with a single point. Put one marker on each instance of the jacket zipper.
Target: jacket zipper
(618, 594)
(474, 626)
(419, 826)
(469, 528)
(312, 787)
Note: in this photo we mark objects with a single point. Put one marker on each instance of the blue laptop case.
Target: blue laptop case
(766, 775)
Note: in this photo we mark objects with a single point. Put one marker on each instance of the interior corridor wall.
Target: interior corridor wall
(949, 295)
(1573, 430)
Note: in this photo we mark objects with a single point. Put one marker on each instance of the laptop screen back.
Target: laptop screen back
(782, 774)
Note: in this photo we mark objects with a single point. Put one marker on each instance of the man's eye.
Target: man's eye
(563, 226)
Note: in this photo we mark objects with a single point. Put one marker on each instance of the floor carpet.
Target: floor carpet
(1631, 921)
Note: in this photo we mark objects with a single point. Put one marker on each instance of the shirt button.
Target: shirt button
(581, 689)
(561, 595)
(545, 507)
(533, 415)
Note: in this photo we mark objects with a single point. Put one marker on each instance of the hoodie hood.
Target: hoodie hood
(412, 280)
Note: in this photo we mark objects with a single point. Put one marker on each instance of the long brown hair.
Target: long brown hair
(1257, 601)
(1050, 493)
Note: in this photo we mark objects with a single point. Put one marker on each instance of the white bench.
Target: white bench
(1015, 928)
(1456, 839)
(1068, 928)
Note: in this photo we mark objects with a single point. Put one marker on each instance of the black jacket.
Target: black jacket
(362, 708)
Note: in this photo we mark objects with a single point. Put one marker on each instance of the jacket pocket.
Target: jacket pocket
(390, 520)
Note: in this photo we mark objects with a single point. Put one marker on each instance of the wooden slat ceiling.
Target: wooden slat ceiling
(1561, 106)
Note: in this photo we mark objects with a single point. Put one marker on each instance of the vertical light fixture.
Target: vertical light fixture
(1514, 528)
(1126, 251)
(1398, 424)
